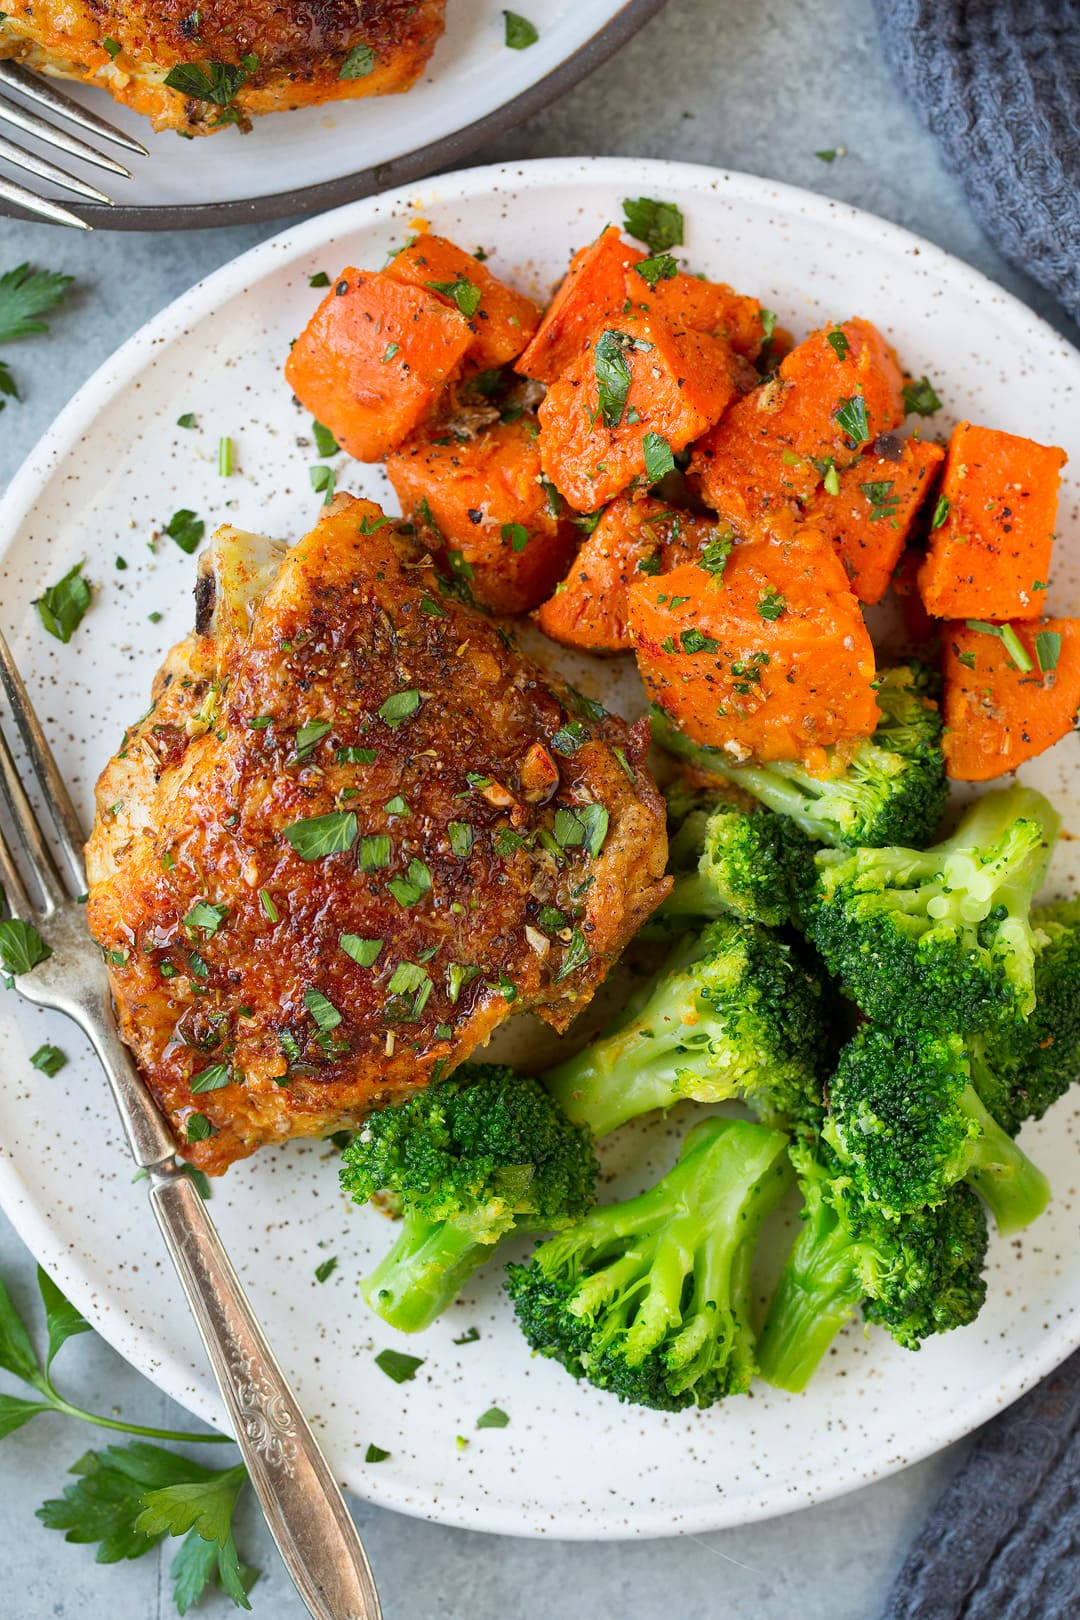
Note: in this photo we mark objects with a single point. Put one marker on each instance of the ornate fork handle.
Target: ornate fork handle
(300, 1497)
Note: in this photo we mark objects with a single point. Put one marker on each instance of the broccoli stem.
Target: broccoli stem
(1015, 1190)
(424, 1272)
(692, 895)
(819, 1290)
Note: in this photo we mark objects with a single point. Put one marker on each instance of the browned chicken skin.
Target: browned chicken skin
(502, 845)
(258, 58)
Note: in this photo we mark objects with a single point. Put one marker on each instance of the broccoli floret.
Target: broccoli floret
(1024, 1068)
(918, 1274)
(651, 1298)
(741, 863)
(734, 1012)
(482, 1154)
(891, 791)
(908, 1123)
(938, 937)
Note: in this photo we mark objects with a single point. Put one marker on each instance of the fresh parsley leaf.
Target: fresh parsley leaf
(658, 457)
(319, 279)
(658, 224)
(49, 1059)
(198, 1128)
(325, 443)
(26, 295)
(715, 552)
(1048, 649)
(358, 64)
(941, 512)
(517, 534)
(364, 952)
(317, 836)
(470, 1336)
(206, 916)
(398, 707)
(838, 343)
(920, 398)
(493, 1418)
(520, 32)
(15, 1412)
(214, 1078)
(62, 607)
(883, 503)
(186, 529)
(585, 824)
(21, 949)
(461, 838)
(852, 418)
(62, 1320)
(374, 851)
(465, 294)
(569, 738)
(322, 1010)
(309, 736)
(375, 1454)
(204, 1503)
(187, 420)
(323, 479)
(613, 375)
(397, 1365)
(830, 154)
(1006, 634)
(772, 604)
(17, 1353)
(217, 82)
(408, 890)
(662, 267)
(326, 1268)
(575, 956)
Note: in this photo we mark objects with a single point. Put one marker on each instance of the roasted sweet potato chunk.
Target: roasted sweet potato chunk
(638, 391)
(990, 557)
(593, 288)
(373, 360)
(502, 320)
(1011, 690)
(635, 537)
(708, 306)
(482, 506)
(870, 515)
(767, 660)
(832, 395)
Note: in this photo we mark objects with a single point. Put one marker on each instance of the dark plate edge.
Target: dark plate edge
(424, 160)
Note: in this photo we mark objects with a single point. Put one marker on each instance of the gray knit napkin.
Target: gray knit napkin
(1002, 1542)
(997, 84)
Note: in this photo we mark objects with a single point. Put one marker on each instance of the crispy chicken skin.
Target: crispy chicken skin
(223, 939)
(301, 49)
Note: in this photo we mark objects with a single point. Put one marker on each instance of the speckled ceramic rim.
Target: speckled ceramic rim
(298, 243)
(379, 177)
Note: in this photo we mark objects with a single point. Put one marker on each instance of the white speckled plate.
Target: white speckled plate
(572, 1463)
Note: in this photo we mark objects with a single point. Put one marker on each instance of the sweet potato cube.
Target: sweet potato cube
(708, 306)
(482, 506)
(638, 380)
(990, 558)
(768, 660)
(832, 395)
(1000, 709)
(372, 361)
(636, 536)
(871, 515)
(592, 289)
(502, 320)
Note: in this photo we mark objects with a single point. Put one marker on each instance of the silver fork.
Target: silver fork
(300, 1497)
(15, 77)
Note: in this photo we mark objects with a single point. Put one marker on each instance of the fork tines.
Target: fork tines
(18, 78)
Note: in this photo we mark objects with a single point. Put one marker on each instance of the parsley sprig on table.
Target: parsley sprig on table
(25, 295)
(126, 1498)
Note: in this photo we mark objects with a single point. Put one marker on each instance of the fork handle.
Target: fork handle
(300, 1497)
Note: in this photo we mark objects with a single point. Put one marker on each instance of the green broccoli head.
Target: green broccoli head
(1026, 1066)
(942, 936)
(916, 1274)
(650, 1299)
(907, 1122)
(743, 863)
(734, 1012)
(482, 1154)
(892, 790)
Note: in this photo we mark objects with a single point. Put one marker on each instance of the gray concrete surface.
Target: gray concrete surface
(758, 87)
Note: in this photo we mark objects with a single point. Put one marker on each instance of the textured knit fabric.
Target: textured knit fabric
(997, 83)
(1003, 1540)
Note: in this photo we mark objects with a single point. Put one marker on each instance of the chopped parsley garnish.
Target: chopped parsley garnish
(323, 481)
(196, 966)
(569, 738)
(493, 1418)
(829, 154)
(374, 851)
(851, 415)
(658, 224)
(585, 824)
(1009, 640)
(662, 267)
(397, 1365)
(941, 512)
(187, 420)
(883, 503)
(715, 552)
(198, 1128)
(111, 46)
(48, 1059)
(398, 707)
(838, 343)
(319, 279)
(695, 641)
(520, 33)
(211, 1079)
(390, 351)
(206, 916)
(508, 842)
(374, 1453)
(21, 946)
(587, 707)
(517, 534)
(410, 989)
(266, 901)
(575, 956)
(309, 736)
(62, 607)
(397, 806)
(323, 1011)
(458, 975)
(465, 294)
(358, 64)
(470, 1336)
(658, 457)
(317, 836)
(260, 722)
(1048, 649)
(186, 529)
(325, 443)
(461, 838)
(216, 81)
(323, 1272)
(920, 398)
(408, 890)
(364, 952)
(432, 609)
(356, 756)
(772, 605)
(613, 375)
